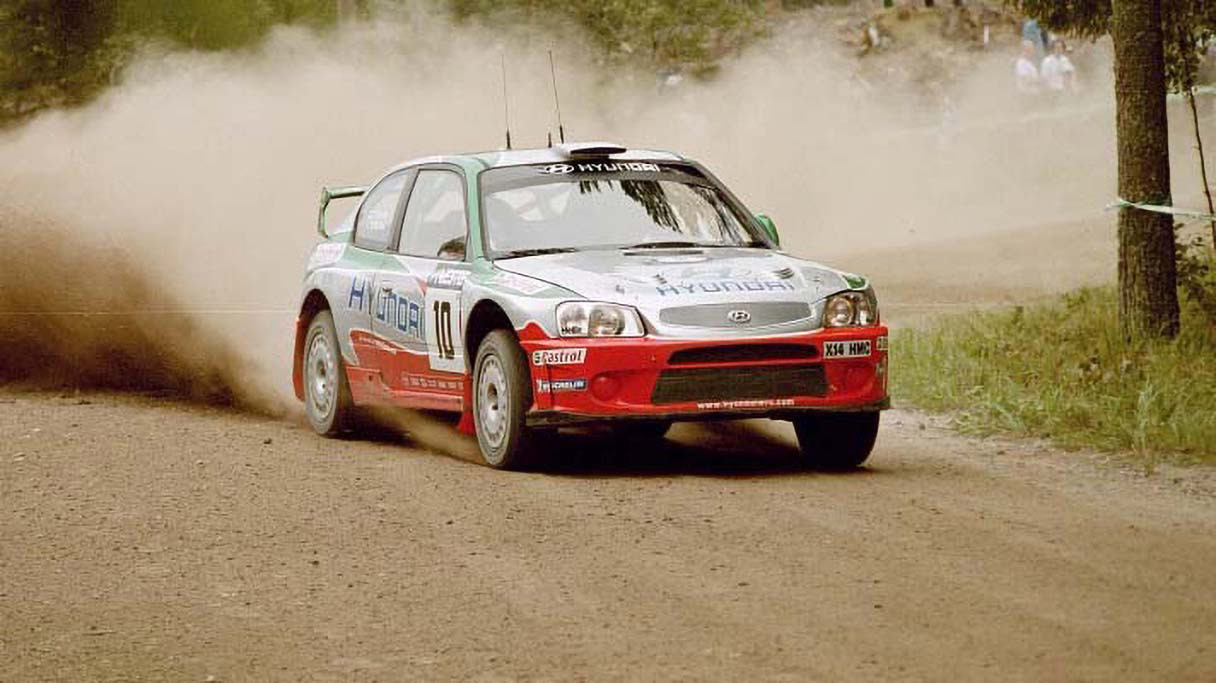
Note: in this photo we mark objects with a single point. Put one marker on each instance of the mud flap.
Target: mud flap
(466, 426)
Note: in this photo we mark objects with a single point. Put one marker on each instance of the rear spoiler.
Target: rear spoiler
(329, 193)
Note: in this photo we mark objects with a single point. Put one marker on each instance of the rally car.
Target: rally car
(580, 284)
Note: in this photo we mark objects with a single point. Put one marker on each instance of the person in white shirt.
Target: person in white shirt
(1025, 72)
(1057, 73)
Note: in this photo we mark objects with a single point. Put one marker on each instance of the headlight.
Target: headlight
(839, 312)
(590, 319)
(851, 309)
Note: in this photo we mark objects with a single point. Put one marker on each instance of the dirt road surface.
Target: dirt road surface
(144, 539)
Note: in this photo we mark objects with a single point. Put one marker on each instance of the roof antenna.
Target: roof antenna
(561, 130)
(506, 107)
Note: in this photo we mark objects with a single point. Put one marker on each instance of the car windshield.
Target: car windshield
(561, 207)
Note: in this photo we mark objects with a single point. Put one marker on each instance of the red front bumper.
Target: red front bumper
(589, 380)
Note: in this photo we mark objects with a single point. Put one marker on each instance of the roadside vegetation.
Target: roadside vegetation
(1063, 370)
(55, 53)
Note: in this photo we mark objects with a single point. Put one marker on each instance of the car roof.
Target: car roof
(548, 155)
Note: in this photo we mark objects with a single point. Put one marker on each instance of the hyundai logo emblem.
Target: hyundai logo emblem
(556, 169)
(739, 317)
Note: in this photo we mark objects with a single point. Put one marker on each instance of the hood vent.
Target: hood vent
(668, 255)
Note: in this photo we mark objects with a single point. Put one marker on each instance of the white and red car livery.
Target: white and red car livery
(585, 283)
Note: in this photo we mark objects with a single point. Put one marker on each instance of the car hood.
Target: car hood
(655, 280)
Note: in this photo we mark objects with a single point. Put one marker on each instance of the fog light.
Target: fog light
(605, 387)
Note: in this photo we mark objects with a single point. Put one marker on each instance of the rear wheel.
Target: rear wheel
(502, 395)
(327, 399)
(837, 441)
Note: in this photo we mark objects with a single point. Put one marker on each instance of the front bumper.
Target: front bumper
(577, 381)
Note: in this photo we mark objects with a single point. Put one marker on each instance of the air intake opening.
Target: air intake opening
(744, 353)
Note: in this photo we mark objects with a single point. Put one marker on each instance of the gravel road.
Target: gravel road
(149, 539)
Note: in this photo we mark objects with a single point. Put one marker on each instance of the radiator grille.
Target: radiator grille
(682, 385)
(760, 314)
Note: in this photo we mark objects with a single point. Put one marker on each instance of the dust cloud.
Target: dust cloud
(179, 208)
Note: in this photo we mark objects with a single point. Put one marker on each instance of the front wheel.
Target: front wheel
(837, 441)
(502, 395)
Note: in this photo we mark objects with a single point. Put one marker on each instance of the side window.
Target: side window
(374, 225)
(435, 224)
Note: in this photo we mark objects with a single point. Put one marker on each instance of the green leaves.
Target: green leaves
(218, 24)
(1189, 26)
(692, 33)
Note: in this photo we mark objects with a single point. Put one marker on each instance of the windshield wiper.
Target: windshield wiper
(519, 253)
(664, 245)
(695, 245)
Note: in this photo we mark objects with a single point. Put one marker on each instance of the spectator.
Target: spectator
(1031, 32)
(1025, 72)
(1057, 72)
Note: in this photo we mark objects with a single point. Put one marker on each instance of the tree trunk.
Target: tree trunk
(1148, 295)
(1203, 164)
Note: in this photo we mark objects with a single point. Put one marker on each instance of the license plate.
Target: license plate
(846, 349)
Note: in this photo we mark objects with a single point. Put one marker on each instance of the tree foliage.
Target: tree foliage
(218, 24)
(1189, 28)
(55, 52)
(1159, 45)
(688, 32)
(45, 40)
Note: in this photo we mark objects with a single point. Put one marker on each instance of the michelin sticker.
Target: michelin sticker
(557, 385)
(559, 357)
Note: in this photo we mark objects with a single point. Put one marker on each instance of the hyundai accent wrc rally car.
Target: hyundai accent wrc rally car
(580, 284)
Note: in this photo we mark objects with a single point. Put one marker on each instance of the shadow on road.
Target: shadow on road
(710, 449)
(713, 449)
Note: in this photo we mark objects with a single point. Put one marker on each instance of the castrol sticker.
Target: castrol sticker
(559, 357)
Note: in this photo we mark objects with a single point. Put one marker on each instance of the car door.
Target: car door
(425, 278)
(375, 224)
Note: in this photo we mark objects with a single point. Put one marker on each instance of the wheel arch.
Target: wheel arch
(314, 302)
(485, 317)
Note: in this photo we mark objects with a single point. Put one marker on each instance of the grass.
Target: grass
(1061, 371)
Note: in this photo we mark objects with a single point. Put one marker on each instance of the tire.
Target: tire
(502, 395)
(327, 399)
(646, 431)
(837, 441)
